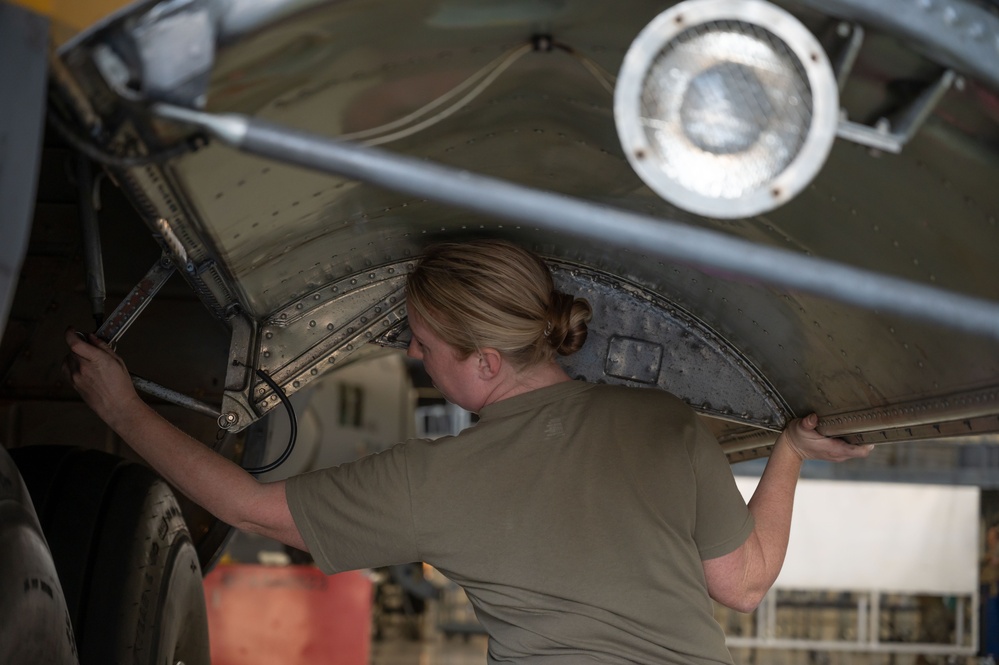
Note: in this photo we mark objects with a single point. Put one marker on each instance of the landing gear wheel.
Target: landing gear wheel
(34, 622)
(146, 579)
(119, 539)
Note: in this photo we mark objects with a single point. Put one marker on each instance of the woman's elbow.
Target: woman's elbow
(740, 579)
(740, 600)
(747, 605)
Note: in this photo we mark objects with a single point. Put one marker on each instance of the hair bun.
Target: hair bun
(566, 328)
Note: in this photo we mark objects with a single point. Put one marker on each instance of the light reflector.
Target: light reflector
(726, 108)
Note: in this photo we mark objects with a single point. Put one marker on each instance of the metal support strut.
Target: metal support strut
(125, 314)
(93, 256)
(137, 300)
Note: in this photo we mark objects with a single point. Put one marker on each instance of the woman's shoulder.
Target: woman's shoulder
(631, 393)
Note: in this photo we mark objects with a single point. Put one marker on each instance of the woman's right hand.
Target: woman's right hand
(98, 374)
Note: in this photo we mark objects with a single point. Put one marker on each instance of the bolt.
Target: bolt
(227, 420)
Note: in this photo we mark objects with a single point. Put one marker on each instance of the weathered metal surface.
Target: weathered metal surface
(301, 342)
(267, 236)
(662, 238)
(637, 338)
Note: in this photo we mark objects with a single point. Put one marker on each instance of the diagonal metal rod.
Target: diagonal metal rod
(670, 240)
(174, 397)
(136, 301)
(92, 252)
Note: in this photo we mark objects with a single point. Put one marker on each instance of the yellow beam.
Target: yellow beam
(69, 17)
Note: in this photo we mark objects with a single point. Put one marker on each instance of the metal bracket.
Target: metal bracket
(301, 342)
(948, 416)
(847, 56)
(184, 27)
(398, 336)
(238, 411)
(891, 135)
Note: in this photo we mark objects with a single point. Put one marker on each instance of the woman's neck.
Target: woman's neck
(518, 382)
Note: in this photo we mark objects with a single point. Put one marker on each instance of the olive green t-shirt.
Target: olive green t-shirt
(575, 517)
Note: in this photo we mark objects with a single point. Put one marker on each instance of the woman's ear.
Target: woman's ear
(490, 363)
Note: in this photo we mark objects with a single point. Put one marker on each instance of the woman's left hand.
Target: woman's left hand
(807, 442)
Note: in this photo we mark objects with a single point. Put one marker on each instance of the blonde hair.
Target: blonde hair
(494, 294)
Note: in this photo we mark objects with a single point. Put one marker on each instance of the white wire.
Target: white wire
(481, 79)
(490, 72)
(599, 73)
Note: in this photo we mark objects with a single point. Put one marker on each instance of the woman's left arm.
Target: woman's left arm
(741, 578)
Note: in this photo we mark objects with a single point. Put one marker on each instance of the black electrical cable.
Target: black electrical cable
(292, 420)
(86, 147)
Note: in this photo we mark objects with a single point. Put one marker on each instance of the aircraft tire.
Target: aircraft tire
(119, 538)
(34, 622)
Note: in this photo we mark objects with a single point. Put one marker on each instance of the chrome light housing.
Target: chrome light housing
(726, 108)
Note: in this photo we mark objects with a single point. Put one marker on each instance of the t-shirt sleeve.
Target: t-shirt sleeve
(723, 522)
(356, 515)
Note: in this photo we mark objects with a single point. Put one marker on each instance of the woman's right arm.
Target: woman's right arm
(210, 480)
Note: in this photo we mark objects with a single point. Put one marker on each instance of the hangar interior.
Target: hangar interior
(184, 147)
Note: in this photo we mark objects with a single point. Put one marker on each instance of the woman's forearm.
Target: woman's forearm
(742, 578)
(210, 480)
(771, 506)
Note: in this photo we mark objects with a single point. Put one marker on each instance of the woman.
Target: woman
(587, 523)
